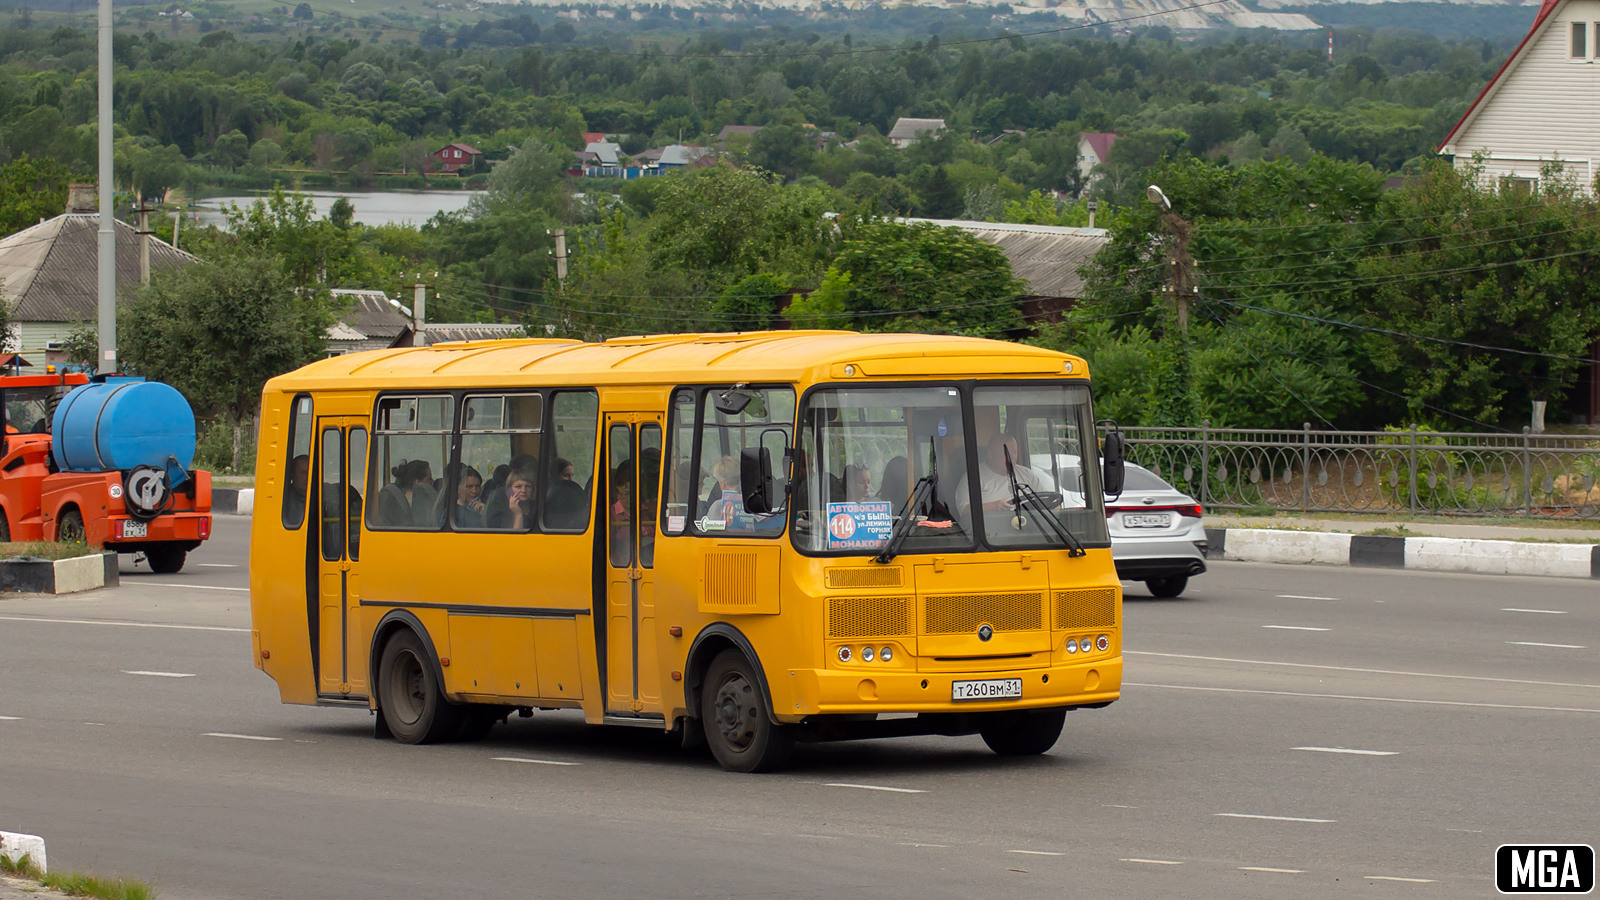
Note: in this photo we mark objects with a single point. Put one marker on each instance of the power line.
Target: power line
(851, 51)
(1270, 374)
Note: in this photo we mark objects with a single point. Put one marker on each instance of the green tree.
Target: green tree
(752, 303)
(30, 190)
(231, 150)
(218, 330)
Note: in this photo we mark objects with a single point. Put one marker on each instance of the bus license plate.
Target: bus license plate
(990, 689)
(135, 529)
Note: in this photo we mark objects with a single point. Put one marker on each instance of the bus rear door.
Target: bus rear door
(341, 480)
(633, 477)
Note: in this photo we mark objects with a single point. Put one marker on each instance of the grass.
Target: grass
(78, 884)
(42, 550)
(1396, 531)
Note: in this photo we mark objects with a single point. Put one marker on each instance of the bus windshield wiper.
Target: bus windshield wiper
(1022, 494)
(927, 486)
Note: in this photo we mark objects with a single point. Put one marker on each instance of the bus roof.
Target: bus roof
(754, 356)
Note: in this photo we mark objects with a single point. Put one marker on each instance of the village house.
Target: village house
(1524, 117)
(908, 131)
(1093, 149)
(453, 157)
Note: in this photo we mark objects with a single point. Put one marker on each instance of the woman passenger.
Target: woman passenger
(517, 512)
(467, 511)
(408, 500)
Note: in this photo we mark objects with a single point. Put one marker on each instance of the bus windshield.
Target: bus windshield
(862, 455)
(868, 458)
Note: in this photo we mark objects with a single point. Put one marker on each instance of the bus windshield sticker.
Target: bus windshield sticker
(860, 525)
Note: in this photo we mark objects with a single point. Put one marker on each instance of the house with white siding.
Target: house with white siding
(1527, 115)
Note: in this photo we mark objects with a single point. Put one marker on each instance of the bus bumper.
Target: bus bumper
(835, 692)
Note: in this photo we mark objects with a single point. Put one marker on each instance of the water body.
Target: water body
(372, 207)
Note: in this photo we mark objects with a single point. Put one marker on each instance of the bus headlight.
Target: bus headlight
(1072, 646)
(866, 654)
(1085, 644)
(886, 654)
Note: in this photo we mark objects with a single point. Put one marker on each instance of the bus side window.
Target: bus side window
(412, 444)
(569, 493)
(298, 463)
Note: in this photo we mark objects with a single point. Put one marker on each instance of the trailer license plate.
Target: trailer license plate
(990, 689)
(135, 529)
(1147, 520)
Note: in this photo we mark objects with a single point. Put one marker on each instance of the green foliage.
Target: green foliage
(751, 304)
(75, 883)
(30, 190)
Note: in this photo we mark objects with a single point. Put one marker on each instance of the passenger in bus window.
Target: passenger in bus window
(994, 482)
(857, 483)
(622, 513)
(410, 499)
(299, 478)
(514, 511)
(720, 506)
(564, 470)
(467, 512)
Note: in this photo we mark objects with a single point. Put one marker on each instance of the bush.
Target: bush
(213, 450)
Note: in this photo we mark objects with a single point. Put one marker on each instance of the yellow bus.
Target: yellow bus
(749, 539)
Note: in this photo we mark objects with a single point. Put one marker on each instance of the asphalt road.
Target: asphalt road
(1205, 781)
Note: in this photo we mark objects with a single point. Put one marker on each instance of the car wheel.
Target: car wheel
(738, 725)
(165, 560)
(69, 528)
(414, 705)
(1167, 587)
(1023, 733)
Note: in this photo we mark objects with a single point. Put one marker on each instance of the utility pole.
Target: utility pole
(1172, 387)
(176, 218)
(560, 254)
(144, 243)
(1092, 204)
(106, 360)
(1180, 264)
(419, 313)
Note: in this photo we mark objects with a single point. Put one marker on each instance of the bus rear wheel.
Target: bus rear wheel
(164, 559)
(1023, 733)
(739, 727)
(414, 705)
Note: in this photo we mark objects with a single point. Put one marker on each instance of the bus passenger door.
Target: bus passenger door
(341, 480)
(633, 481)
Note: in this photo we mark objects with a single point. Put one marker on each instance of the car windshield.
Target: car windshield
(1026, 435)
(861, 455)
(864, 454)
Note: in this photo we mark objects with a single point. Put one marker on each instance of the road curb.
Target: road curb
(31, 575)
(233, 501)
(30, 846)
(1426, 553)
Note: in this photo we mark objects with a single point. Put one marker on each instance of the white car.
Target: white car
(1157, 536)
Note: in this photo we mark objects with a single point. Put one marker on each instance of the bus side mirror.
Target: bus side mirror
(1112, 463)
(755, 477)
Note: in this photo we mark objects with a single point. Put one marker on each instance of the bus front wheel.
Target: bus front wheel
(738, 725)
(1023, 733)
(414, 705)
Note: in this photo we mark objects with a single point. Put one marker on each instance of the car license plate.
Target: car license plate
(135, 529)
(989, 689)
(1146, 520)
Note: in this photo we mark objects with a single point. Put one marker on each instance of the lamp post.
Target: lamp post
(1172, 400)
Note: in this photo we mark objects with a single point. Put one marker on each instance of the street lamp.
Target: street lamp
(1158, 198)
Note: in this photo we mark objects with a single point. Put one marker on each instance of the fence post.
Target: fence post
(1205, 461)
(1413, 479)
(1527, 475)
(1305, 467)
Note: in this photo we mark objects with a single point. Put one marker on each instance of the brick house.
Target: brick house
(452, 157)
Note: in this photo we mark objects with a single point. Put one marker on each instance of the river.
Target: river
(372, 207)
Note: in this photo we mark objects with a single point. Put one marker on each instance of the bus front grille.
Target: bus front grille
(852, 617)
(962, 613)
(862, 577)
(1086, 608)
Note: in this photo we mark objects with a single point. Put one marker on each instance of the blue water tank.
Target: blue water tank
(122, 423)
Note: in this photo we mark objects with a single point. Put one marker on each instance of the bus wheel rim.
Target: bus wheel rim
(410, 689)
(736, 712)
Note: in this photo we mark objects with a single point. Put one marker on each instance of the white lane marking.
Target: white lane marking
(11, 718)
(1153, 862)
(1303, 597)
(1398, 878)
(1036, 852)
(817, 837)
(198, 587)
(101, 724)
(158, 674)
(1118, 806)
(1542, 644)
(1270, 869)
(120, 624)
(1267, 662)
(1548, 612)
(240, 737)
(1348, 750)
(1271, 818)
(1296, 628)
(873, 787)
(299, 741)
(941, 846)
(218, 565)
(1221, 690)
(538, 762)
(1466, 830)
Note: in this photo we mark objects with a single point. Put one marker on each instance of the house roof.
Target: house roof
(373, 315)
(605, 151)
(909, 129)
(681, 155)
(472, 331)
(585, 156)
(1546, 11)
(651, 155)
(465, 148)
(590, 137)
(50, 270)
(1100, 142)
(729, 130)
(1048, 257)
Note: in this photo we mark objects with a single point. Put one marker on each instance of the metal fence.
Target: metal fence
(1412, 471)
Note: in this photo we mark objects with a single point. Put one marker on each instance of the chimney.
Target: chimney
(81, 198)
